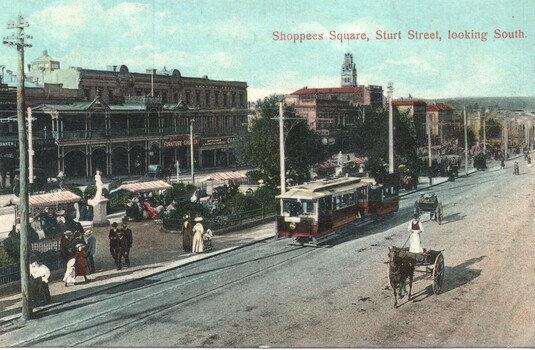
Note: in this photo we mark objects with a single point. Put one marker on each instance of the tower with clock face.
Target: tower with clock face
(349, 71)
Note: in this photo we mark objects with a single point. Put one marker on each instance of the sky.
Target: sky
(241, 41)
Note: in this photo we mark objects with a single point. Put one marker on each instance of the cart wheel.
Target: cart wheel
(438, 273)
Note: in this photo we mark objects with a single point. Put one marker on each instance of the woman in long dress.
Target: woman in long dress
(81, 266)
(198, 230)
(70, 273)
(186, 234)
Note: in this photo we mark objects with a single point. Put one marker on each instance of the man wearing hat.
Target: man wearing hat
(113, 236)
(66, 247)
(125, 243)
(91, 247)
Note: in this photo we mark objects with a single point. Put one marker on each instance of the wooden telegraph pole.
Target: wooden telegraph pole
(17, 40)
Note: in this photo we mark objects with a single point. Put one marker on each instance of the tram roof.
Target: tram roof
(323, 188)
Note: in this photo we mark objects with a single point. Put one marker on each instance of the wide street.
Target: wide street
(280, 295)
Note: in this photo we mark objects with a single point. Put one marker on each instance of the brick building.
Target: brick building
(329, 110)
(121, 121)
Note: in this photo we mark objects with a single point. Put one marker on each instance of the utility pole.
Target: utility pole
(17, 40)
(390, 129)
(281, 147)
(191, 150)
(429, 150)
(465, 143)
(505, 135)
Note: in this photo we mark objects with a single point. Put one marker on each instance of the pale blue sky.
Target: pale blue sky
(233, 40)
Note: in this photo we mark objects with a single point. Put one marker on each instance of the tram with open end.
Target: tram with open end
(310, 213)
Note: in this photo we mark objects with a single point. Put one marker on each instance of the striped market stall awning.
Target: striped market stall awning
(146, 186)
(50, 199)
(225, 176)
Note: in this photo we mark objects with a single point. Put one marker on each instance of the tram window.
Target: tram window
(325, 204)
(296, 207)
(337, 202)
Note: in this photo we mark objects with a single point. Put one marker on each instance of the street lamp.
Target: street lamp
(390, 128)
(191, 121)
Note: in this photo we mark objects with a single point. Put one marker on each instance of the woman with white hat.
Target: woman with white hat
(198, 230)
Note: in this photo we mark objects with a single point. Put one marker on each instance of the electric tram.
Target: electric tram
(313, 211)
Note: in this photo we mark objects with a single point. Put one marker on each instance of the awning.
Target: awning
(42, 200)
(225, 176)
(144, 186)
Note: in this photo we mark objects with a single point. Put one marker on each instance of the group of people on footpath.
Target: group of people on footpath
(77, 250)
(121, 241)
(194, 238)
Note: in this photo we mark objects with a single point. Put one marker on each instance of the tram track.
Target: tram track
(114, 316)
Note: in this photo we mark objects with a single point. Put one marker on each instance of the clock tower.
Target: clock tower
(349, 71)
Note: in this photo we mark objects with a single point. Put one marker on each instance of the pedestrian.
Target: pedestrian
(66, 247)
(186, 234)
(91, 247)
(39, 275)
(198, 231)
(415, 228)
(113, 236)
(81, 267)
(125, 244)
(70, 273)
(502, 163)
(516, 169)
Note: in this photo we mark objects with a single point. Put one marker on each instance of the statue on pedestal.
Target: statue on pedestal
(99, 203)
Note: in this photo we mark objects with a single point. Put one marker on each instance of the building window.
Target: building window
(188, 97)
(207, 98)
(224, 99)
(216, 102)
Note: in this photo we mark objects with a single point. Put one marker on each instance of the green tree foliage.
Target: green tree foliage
(259, 146)
(370, 139)
(493, 128)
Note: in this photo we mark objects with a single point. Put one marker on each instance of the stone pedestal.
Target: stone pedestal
(100, 216)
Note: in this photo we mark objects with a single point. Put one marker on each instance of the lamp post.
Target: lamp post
(281, 147)
(17, 40)
(177, 171)
(465, 143)
(191, 150)
(390, 128)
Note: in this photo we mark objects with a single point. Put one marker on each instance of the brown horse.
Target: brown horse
(399, 270)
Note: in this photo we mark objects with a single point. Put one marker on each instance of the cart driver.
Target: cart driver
(415, 228)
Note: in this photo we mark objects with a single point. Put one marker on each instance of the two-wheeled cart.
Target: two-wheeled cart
(402, 264)
(428, 202)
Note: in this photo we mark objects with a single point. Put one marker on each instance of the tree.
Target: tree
(259, 146)
(493, 128)
(370, 139)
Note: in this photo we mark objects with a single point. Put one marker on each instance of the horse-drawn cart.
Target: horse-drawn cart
(428, 202)
(402, 264)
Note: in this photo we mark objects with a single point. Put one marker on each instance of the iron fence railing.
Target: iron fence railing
(45, 251)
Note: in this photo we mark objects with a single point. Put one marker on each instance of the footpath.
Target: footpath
(154, 251)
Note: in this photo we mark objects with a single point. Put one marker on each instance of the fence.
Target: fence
(223, 221)
(46, 251)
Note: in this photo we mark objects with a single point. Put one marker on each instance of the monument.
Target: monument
(99, 203)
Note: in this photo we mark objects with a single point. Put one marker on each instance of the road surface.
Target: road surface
(279, 295)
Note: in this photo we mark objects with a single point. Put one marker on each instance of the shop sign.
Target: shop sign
(180, 140)
(218, 141)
